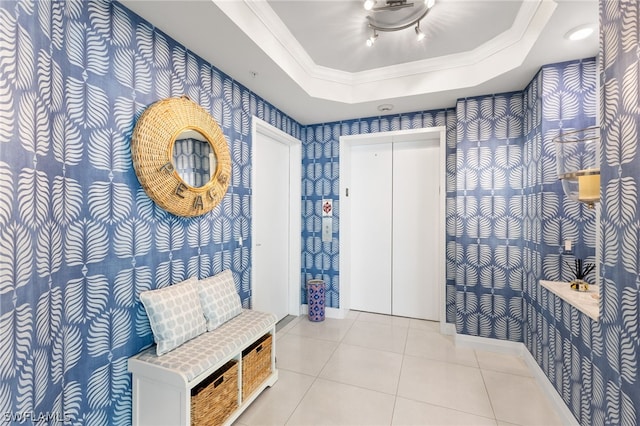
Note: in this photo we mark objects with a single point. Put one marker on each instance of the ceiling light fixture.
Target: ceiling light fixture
(419, 34)
(384, 18)
(579, 33)
(372, 39)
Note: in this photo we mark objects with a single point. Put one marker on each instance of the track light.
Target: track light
(377, 19)
(372, 39)
(419, 34)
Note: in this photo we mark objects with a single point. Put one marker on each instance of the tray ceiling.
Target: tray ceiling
(309, 58)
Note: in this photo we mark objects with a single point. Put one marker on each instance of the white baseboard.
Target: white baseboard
(515, 348)
(554, 396)
(336, 313)
(491, 345)
(447, 329)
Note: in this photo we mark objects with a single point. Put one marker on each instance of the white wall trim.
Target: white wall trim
(519, 349)
(447, 328)
(259, 126)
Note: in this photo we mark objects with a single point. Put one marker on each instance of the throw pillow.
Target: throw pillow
(219, 298)
(175, 314)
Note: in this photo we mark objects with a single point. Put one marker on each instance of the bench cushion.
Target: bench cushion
(194, 357)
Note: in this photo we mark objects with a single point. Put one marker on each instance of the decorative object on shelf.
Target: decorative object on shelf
(396, 15)
(580, 270)
(578, 164)
(162, 128)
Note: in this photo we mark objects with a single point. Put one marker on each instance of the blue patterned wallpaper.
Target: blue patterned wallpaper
(614, 384)
(489, 205)
(513, 215)
(562, 97)
(320, 165)
(79, 238)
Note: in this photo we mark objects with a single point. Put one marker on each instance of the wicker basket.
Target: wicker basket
(216, 397)
(256, 365)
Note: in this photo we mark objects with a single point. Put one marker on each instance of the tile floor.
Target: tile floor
(371, 369)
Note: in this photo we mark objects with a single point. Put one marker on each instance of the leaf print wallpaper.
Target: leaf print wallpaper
(79, 238)
(320, 166)
(489, 205)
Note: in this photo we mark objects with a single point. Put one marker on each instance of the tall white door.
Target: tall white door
(415, 229)
(395, 211)
(270, 196)
(371, 207)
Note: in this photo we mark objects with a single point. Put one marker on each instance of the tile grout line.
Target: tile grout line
(317, 376)
(484, 383)
(493, 410)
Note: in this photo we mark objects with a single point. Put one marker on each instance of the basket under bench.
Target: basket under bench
(212, 363)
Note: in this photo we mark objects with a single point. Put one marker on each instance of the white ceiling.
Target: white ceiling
(309, 59)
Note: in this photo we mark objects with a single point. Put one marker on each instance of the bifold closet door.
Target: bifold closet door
(415, 229)
(371, 214)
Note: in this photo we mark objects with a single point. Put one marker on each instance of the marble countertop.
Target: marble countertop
(587, 302)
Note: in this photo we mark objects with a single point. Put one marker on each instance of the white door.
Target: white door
(395, 213)
(415, 229)
(270, 198)
(371, 204)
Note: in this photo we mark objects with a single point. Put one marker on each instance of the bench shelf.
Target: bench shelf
(162, 385)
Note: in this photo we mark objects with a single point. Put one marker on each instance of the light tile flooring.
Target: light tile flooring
(371, 369)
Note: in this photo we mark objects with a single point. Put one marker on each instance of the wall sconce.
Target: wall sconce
(578, 164)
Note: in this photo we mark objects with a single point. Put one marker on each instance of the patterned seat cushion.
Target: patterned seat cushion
(194, 357)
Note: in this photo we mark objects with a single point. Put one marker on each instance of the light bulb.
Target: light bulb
(430, 3)
(419, 34)
(368, 4)
(579, 33)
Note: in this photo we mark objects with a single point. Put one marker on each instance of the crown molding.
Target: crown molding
(499, 55)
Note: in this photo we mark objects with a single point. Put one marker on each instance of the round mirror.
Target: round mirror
(181, 157)
(193, 158)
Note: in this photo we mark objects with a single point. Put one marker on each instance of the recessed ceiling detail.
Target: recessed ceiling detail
(500, 54)
(313, 64)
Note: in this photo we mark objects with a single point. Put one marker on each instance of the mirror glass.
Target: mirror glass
(193, 158)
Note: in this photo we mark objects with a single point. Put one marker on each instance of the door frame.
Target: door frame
(261, 127)
(346, 144)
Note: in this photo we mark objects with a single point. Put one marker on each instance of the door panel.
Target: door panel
(270, 221)
(415, 229)
(370, 194)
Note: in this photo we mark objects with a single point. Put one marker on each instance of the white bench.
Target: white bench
(162, 384)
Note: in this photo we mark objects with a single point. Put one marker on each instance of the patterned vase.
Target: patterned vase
(315, 300)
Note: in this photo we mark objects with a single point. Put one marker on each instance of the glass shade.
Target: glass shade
(578, 164)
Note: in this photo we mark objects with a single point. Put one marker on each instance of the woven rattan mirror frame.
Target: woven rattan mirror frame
(152, 153)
